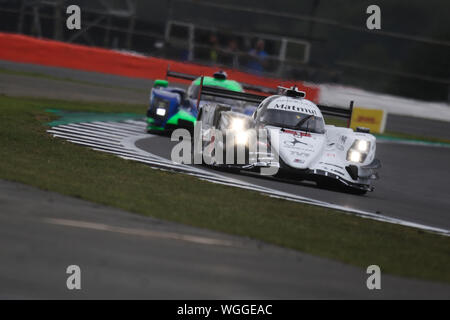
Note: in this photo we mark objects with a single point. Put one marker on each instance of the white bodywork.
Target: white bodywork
(317, 152)
(321, 153)
(327, 152)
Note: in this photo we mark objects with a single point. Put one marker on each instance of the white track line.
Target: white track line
(65, 135)
(89, 131)
(121, 126)
(111, 129)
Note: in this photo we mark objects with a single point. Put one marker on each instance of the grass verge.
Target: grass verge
(392, 134)
(29, 155)
(50, 77)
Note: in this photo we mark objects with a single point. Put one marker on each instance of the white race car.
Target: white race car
(287, 133)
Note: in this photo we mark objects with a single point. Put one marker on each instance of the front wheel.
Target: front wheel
(356, 191)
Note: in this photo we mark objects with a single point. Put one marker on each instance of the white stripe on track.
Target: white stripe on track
(66, 135)
(121, 126)
(106, 128)
(87, 130)
(137, 122)
(107, 131)
(96, 145)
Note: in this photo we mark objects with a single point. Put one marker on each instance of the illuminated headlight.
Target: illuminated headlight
(161, 112)
(241, 138)
(237, 124)
(362, 145)
(354, 156)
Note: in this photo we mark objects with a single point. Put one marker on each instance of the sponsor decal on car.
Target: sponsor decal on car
(294, 142)
(297, 133)
(293, 108)
(298, 145)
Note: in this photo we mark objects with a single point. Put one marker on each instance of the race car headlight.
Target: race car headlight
(362, 145)
(354, 156)
(161, 112)
(358, 151)
(241, 137)
(237, 124)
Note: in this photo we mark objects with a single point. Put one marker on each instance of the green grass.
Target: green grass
(50, 77)
(391, 134)
(407, 136)
(29, 155)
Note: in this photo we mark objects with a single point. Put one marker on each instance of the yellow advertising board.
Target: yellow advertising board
(374, 119)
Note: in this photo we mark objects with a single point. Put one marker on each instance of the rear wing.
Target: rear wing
(338, 112)
(253, 87)
(228, 94)
(257, 99)
(245, 86)
(180, 75)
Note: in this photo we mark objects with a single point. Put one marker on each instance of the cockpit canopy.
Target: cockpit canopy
(289, 113)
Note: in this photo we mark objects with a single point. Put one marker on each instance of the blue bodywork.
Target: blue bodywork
(178, 110)
(172, 107)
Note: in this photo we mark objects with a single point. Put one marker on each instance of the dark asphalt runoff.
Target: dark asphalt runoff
(127, 256)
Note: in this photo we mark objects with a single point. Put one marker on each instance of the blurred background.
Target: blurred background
(319, 41)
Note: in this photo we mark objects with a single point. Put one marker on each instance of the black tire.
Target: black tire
(329, 184)
(163, 133)
(355, 191)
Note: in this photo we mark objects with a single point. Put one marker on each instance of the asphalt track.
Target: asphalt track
(127, 256)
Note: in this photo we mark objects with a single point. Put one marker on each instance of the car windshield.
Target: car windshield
(293, 120)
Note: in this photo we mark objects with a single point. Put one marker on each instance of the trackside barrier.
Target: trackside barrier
(374, 119)
(21, 48)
